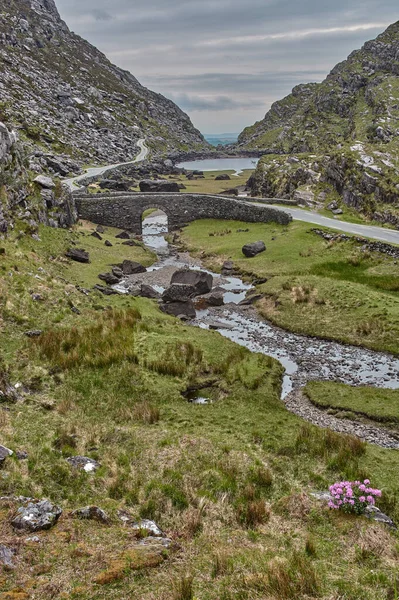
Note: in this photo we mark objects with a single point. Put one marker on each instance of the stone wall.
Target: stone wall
(125, 210)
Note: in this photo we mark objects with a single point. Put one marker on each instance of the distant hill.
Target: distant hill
(350, 122)
(221, 139)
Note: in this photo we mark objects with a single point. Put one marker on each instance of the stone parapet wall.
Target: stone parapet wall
(125, 210)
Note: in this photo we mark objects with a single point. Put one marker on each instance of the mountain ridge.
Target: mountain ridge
(67, 99)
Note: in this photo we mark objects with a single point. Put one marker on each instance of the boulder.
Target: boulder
(200, 280)
(250, 250)
(92, 513)
(158, 185)
(179, 292)
(147, 528)
(96, 235)
(108, 244)
(113, 184)
(130, 243)
(109, 278)
(32, 333)
(4, 454)
(100, 229)
(129, 267)
(45, 182)
(117, 271)
(223, 177)
(6, 557)
(215, 298)
(107, 291)
(147, 291)
(36, 515)
(83, 463)
(78, 255)
(179, 309)
(123, 235)
(227, 267)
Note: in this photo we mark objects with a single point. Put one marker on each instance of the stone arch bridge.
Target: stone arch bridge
(124, 210)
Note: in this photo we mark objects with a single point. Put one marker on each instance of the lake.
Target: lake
(220, 164)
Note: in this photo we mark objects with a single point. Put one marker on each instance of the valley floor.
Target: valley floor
(230, 483)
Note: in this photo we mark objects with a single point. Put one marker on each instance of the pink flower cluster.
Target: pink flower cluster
(353, 496)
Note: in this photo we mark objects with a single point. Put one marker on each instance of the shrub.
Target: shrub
(353, 496)
(183, 588)
(146, 413)
(293, 579)
(253, 513)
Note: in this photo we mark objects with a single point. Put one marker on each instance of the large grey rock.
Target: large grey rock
(147, 528)
(147, 291)
(92, 513)
(84, 463)
(109, 278)
(130, 267)
(78, 255)
(200, 280)
(251, 250)
(6, 557)
(179, 309)
(215, 298)
(179, 292)
(159, 185)
(4, 454)
(36, 515)
(44, 181)
(223, 177)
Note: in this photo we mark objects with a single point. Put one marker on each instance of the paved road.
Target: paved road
(73, 182)
(370, 231)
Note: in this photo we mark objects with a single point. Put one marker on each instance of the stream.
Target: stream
(304, 358)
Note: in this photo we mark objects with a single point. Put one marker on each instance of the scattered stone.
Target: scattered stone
(219, 325)
(179, 309)
(130, 267)
(107, 291)
(4, 454)
(108, 244)
(215, 298)
(179, 292)
(147, 291)
(131, 243)
(109, 278)
(96, 235)
(100, 229)
(148, 528)
(200, 280)
(93, 513)
(251, 299)
(45, 182)
(21, 454)
(6, 557)
(117, 271)
(251, 250)
(227, 267)
(36, 297)
(35, 539)
(332, 206)
(33, 333)
(83, 463)
(123, 235)
(37, 515)
(77, 255)
(337, 211)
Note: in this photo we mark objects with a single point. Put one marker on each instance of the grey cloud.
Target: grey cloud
(101, 15)
(217, 103)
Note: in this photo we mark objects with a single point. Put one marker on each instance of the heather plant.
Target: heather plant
(353, 496)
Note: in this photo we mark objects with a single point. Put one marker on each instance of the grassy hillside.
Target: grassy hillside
(229, 482)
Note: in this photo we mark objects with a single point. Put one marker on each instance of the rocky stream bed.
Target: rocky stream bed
(304, 358)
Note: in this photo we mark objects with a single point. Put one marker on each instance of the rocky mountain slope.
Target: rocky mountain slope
(70, 103)
(344, 130)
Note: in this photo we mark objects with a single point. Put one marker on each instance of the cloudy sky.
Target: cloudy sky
(225, 61)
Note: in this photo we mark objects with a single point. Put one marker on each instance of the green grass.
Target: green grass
(209, 185)
(326, 289)
(377, 404)
(229, 482)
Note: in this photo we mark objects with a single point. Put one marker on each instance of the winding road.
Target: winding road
(391, 236)
(73, 182)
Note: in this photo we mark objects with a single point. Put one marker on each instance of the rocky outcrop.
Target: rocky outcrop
(67, 96)
(43, 202)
